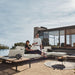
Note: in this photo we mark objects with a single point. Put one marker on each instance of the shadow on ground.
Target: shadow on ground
(8, 69)
(58, 66)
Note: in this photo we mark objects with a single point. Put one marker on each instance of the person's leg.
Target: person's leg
(31, 52)
(27, 52)
(38, 52)
(35, 52)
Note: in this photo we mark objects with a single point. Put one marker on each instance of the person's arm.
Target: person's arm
(40, 44)
(30, 46)
(28, 49)
(34, 43)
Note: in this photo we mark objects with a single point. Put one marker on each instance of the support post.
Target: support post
(59, 38)
(54, 40)
(70, 38)
(65, 37)
(16, 68)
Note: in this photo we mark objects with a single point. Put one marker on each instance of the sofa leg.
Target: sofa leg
(16, 68)
(29, 64)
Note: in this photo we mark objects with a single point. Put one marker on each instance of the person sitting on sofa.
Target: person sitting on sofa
(38, 44)
(28, 47)
(31, 51)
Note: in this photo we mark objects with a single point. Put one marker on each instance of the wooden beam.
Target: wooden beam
(70, 38)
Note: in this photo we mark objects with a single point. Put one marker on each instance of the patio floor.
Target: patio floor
(38, 68)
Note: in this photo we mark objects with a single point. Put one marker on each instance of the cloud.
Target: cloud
(19, 17)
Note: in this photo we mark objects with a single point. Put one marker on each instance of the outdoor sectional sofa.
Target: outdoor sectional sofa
(27, 58)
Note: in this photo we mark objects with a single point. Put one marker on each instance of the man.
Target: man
(38, 44)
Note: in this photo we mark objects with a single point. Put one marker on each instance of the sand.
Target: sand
(37, 69)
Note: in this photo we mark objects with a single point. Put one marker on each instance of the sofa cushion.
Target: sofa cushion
(13, 52)
(32, 56)
(56, 53)
(47, 47)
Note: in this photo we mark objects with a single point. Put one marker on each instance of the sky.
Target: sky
(19, 17)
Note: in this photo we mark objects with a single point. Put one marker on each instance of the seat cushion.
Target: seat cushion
(56, 53)
(32, 56)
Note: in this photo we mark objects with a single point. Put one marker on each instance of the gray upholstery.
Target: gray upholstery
(56, 53)
(48, 54)
(32, 56)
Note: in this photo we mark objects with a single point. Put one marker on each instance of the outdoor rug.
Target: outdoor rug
(59, 65)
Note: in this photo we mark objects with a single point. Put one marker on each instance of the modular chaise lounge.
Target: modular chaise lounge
(26, 58)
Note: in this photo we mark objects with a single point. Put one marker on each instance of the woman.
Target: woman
(28, 47)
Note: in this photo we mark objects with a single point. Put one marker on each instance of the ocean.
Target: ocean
(4, 52)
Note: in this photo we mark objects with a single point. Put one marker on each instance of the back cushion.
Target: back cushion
(13, 52)
(20, 48)
(47, 47)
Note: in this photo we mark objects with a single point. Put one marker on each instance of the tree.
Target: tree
(3, 47)
(18, 44)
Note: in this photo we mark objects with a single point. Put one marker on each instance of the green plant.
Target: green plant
(3, 47)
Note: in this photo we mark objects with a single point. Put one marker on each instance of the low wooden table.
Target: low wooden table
(62, 58)
(15, 62)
